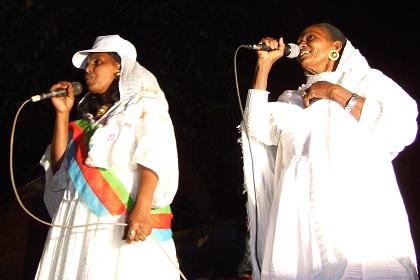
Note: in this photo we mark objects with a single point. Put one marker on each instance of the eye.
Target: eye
(306, 38)
(310, 37)
(97, 61)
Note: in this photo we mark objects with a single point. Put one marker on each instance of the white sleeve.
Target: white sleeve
(55, 183)
(156, 150)
(258, 118)
(266, 121)
(389, 114)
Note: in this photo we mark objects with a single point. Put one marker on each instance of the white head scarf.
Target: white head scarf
(134, 78)
(351, 68)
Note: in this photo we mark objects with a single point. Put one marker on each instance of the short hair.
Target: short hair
(335, 33)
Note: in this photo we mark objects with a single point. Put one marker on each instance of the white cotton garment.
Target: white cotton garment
(323, 200)
(137, 130)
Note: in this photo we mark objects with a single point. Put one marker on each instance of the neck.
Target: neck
(110, 96)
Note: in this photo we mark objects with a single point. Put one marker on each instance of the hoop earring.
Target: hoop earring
(117, 75)
(333, 55)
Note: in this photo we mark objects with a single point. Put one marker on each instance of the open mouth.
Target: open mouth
(89, 77)
(304, 52)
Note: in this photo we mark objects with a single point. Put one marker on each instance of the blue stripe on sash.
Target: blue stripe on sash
(79, 181)
(162, 234)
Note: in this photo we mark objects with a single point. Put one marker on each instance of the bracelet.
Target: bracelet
(352, 101)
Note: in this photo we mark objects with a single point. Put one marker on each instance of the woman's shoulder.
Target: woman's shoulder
(146, 104)
(376, 78)
(145, 100)
(292, 97)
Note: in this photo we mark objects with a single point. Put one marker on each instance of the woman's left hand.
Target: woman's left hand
(139, 220)
(139, 225)
(320, 90)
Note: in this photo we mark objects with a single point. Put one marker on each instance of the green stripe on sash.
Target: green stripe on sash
(118, 187)
(163, 210)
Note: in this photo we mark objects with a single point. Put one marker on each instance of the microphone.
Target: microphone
(77, 89)
(291, 50)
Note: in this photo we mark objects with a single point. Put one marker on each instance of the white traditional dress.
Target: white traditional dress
(98, 181)
(323, 200)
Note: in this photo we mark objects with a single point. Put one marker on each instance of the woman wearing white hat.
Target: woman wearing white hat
(117, 164)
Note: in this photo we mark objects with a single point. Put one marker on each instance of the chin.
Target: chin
(309, 70)
(304, 66)
(94, 90)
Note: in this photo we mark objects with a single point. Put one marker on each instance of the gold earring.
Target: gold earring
(333, 55)
(117, 74)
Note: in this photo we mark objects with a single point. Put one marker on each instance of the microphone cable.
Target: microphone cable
(27, 211)
(245, 126)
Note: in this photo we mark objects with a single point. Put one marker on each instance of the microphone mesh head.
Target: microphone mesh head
(77, 88)
(294, 51)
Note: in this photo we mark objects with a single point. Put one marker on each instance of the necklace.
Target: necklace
(102, 110)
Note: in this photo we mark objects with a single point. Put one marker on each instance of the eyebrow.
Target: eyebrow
(307, 34)
(94, 56)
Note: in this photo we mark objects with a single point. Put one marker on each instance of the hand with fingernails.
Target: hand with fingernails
(277, 45)
(139, 219)
(63, 104)
(323, 90)
(139, 225)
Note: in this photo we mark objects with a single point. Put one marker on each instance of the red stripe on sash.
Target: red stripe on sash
(162, 221)
(93, 176)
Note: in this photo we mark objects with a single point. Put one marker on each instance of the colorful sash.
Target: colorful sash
(161, 218)
(100, 189)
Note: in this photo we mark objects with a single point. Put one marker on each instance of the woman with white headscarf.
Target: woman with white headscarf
(323, 200)
(117, 164)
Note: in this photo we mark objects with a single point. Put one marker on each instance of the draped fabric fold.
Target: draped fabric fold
(327, 202)
(97, 183)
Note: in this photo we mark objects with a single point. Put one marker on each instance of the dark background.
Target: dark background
(189, 45)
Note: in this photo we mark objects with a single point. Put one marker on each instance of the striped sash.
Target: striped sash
(100, 189)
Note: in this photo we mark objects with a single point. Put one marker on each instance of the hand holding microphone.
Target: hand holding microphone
(269, 44)
(270, 50)
(61, 89)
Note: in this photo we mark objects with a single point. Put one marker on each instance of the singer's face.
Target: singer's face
(315, 43)
(99, 72)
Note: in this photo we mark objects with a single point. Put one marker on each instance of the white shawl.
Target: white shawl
(135, 130)
(324, 181)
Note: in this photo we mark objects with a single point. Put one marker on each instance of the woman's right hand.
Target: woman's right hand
(265, 61)
(277, 52)
(63, 104)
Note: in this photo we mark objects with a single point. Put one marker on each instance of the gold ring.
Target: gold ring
(132, 232)
(142, 235)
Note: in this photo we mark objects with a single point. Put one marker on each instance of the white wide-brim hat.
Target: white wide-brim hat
(108, 43)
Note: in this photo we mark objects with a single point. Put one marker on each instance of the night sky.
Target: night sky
(189, 45)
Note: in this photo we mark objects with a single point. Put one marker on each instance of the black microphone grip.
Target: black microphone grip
(77, 89)
(290, 51)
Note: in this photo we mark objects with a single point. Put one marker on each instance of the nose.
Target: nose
(302, 44)
(89, 68)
